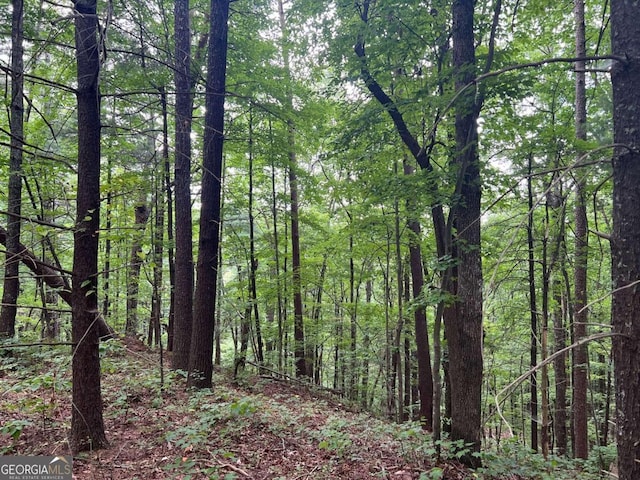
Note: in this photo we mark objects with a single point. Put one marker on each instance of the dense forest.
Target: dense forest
(427, 208)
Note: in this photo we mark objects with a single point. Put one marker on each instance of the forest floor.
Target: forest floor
(259, 428)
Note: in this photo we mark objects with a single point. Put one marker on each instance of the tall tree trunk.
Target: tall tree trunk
(201, 357)
(155, 330)
(87, 425)
(463, 321)
(135, 264)
(276, 254)
(464, 335)
(316, 315)
(425, 377)
(106, 275)
(169, 200)
(298, 319)
(353, 310)
(11, 288)
(388, 345)
(396, 377)
(580, 381)
(253, 261)
(533, 311)
(183, 288)
(560, 368)
(625, 240)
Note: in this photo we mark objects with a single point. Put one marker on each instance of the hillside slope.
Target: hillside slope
(262, 428)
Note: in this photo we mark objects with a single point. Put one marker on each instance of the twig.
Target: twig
(234, 468)
(37, 344)
(293, 379)
(546, 361)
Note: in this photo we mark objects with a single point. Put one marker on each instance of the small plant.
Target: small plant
(334, 438)
(435, 473)
(208, 415)
(522, 462)
(13, 428)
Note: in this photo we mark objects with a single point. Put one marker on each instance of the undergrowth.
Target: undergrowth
(212, 426)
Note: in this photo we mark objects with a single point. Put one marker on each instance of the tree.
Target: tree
(296, 283)
(464, 333)
(580, 358)
(201, 356)
(457, 238)
(183, 265)
(625, 238)
(87, 425)
(135, 264)
(425, 377)
(11, 287)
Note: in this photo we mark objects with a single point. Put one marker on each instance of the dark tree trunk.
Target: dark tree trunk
(463, 321)
(201, 358)
(87, 426)
(155, 329)
(11, 288)
(580, 319)
(560, 369)
(298, 319)
(253, 261)
(464, 334)
(353, 330)
(296, 283)
(316, 315)
(106, 275)
(425, 377)
(533, 311)
(276, 254)
(245, 330)
(135, 264)
(625, 240)
(396, 377)
(183, 288)
(169, 199)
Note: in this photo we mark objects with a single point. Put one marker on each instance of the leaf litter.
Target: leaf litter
(258, 428)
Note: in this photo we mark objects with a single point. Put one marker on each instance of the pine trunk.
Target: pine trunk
(625, 240)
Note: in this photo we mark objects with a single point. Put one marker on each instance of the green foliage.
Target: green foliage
(13, 429)
(513, 459)
(435, 473)
(210, 413)
(335, 437)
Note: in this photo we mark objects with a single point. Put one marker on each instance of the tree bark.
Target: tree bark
(11, 287)
(425, 377)
(580, 359)
(183, 288)
(464, 334)
(87, 425)
(170, 232)
(625, 239)
(201, 357)
(533, 312)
